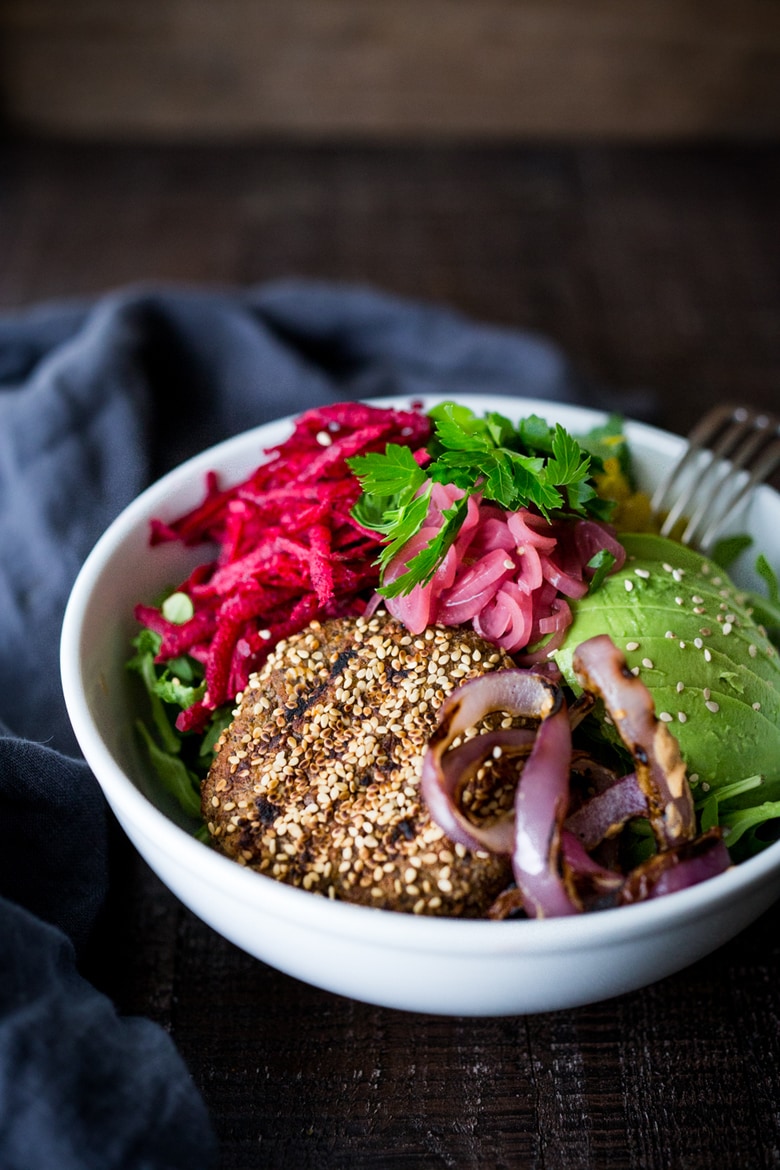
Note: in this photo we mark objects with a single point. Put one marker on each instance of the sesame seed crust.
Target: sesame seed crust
(316, 781)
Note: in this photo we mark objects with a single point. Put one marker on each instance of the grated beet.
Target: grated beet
(288, 549)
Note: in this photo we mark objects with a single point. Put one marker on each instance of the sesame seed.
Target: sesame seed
(665, 717)
(727, 627)
(643, 573)
(632, 645)
(682, 717)
(696, 599)
(679, 601)
(707, 692)
(711, 705)
(648, 663)
(669, 634)
(698, 643)
(707, 656)
(366, 787)
(629, 585)
(756, 706)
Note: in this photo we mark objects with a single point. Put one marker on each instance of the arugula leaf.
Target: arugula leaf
(765, 570)
(530, 464)
(602, 563)
(220, 720)
(147, 645)
(744, 827)
(175, 776)
(179, 683)
(179, 759)
(726, 550)
(171, 689)
(766, 610)
(607, 441)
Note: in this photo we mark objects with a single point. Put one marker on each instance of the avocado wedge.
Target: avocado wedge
(714, 674)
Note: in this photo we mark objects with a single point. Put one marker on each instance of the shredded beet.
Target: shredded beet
(288, 549)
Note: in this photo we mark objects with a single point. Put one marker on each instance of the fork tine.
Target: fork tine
(701, 446)
(730, 451)
(714, 504)
(761, 471)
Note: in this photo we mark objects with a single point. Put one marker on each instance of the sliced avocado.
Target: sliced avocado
(687, 630)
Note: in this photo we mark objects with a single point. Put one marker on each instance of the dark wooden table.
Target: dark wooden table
(654, 268)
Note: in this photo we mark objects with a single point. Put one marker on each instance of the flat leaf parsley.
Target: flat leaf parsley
(528, 465)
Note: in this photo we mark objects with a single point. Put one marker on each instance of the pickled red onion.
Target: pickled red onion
(507, 573)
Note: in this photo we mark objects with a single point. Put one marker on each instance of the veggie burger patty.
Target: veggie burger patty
(316, 781)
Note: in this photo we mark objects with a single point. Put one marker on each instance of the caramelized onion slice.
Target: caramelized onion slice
(605, 814)
(519, 693)
(601, 668)
(541, 802)
(685, 865)
(550, 848)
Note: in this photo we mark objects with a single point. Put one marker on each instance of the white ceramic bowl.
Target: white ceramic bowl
(397, 960)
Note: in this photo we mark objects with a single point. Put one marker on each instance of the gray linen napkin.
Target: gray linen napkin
(96, 400)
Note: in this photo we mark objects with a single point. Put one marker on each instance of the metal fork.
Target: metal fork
(730, 451)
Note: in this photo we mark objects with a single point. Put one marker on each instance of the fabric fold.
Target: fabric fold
(97, 399)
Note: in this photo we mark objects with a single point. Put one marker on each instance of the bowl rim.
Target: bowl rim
(262, 893)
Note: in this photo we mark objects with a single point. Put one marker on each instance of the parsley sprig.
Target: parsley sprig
(530, 464)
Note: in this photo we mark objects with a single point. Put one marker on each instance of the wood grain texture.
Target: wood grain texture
(393, 68)
(652, 268)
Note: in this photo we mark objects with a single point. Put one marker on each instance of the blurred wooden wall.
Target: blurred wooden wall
(391, 69)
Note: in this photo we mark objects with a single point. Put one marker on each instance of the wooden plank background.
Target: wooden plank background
(392, 69)
(654, 268)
